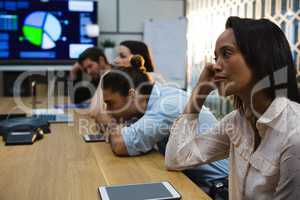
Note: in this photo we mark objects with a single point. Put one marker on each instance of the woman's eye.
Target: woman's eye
(226, 54)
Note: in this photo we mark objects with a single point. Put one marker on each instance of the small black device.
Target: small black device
(94, 137)
(23, 130)
(24, 137)
(10, 116)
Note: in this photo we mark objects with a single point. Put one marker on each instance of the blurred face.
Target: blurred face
(118, 105)
(122, 107)
(123, 56)
(232, 74)
(93, 68)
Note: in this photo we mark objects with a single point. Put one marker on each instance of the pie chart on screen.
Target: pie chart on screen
(42, 29)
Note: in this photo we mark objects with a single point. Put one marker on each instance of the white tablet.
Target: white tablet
(146, 191)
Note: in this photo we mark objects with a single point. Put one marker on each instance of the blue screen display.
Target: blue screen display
(45, 31)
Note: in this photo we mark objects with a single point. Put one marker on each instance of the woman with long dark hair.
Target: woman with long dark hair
(261, 137)
(129, 48)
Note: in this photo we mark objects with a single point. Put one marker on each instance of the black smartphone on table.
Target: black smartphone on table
(94, 137)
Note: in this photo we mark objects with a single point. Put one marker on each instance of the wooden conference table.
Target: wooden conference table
(62, 166)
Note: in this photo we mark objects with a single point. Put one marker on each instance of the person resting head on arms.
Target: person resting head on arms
(147, 109)
(253, 62)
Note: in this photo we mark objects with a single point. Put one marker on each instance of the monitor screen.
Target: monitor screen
(45, 32)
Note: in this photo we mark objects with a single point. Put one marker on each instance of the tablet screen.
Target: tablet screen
(138, 192)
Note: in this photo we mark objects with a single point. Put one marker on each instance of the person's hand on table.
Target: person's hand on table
(106, 124)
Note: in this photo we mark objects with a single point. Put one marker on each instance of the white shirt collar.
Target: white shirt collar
(274, 110)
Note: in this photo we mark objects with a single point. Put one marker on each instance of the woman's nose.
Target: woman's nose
(217, 67)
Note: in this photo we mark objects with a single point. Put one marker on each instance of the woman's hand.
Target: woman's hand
(207, 77)
(202, 89)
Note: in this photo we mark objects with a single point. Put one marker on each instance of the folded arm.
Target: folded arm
(187, 149)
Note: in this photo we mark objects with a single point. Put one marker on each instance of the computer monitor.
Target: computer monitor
(45, 32)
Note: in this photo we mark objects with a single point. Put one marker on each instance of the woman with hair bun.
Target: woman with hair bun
(129, 48)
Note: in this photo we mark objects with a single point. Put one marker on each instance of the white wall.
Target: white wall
(124, 19)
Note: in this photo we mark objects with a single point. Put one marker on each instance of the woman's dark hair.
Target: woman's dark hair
(137, 47)
(266, 50)
(92, 53)
(121, 79)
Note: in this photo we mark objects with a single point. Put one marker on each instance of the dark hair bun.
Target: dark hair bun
(138, 63)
